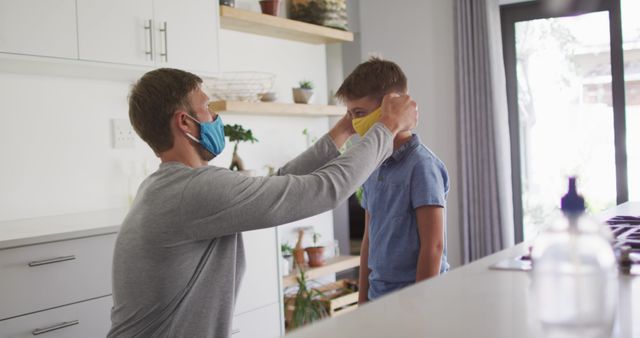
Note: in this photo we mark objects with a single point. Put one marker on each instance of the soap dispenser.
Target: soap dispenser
(574, 273)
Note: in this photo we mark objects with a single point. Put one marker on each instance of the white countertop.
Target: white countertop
(54, 228)
(471, 301)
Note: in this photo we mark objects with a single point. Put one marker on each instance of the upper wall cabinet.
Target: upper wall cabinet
(36, 27)
(161, 33)
(118, 31)
(190, 37)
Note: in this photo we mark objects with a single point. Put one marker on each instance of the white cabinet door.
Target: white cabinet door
(36, 27)
(38, 277)
(81, 320)
(263, 322)
(116, 31)
(260, 283)
(190, 40)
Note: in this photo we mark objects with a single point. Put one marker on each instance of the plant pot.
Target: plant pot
(316, 256)
(298, 258)
(301, 95)
(270, 7)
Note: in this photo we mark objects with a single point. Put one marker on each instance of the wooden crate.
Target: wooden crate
(341, 297)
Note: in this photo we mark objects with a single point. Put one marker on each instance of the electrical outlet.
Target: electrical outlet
(122, 134)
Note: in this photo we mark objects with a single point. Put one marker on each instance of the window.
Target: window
(566, 83)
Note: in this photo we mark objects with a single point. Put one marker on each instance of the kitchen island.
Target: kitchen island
(470, 301)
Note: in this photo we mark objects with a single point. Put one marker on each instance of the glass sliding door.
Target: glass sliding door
(564, 112)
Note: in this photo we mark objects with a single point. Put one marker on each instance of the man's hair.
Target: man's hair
(154, 99)
(374, 78)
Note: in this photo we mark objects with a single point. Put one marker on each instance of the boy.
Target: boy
(404, 199)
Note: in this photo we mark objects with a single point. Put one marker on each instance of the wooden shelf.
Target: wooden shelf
(333, 265)
(274, 26)
(271, 108)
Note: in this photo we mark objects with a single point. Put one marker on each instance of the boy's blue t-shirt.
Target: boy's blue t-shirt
(412, 177)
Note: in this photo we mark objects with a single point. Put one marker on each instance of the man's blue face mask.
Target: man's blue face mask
(211, 135)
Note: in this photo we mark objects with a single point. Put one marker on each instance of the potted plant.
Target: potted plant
(305, 306)
(270, 7)
(304, 92)
(315, 253)
(237, 134)
(287, 252)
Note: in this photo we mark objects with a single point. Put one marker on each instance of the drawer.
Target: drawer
(81, 320)
(263, 322)
(43, 276)
(260, 283)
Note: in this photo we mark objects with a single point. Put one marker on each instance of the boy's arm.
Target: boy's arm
(364, 263)
(430, 221)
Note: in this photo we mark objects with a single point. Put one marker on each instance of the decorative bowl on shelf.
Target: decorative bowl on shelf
(269, 97)
(238, 86)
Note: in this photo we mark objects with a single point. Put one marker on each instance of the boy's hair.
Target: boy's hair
(374, 78)
(154, 99)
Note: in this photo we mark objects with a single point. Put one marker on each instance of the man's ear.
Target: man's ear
(180, 121)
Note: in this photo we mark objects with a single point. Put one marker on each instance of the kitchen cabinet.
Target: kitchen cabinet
(40, 28)
(262, 322)
(260, 283)
(160, 33)
(44, 276)
(118, 31)
(57, 270)
(56, 274)
(85, 319)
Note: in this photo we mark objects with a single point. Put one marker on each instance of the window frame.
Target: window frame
(531, 10)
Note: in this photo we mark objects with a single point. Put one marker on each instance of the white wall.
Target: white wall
(55, 131)
(281, 137)
(419, 36)
(56, 146)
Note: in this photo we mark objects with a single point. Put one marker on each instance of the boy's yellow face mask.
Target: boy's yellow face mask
(362, 124)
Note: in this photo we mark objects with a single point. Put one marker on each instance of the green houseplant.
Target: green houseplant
(305, 306)
(237, 134)
(304, 92)
(316, 252)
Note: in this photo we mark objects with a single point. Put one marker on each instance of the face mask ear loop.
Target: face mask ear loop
(189, 135)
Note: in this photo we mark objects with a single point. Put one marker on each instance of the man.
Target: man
(179, 256)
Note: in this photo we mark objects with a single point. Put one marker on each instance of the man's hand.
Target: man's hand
(398, 113)
(342, 131)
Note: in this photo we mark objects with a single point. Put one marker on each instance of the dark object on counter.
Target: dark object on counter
(624, 260)
(270, 7)
(626, 231)
(230, 3)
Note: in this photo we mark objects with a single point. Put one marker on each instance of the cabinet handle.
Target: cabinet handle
(148, 27)
(52, 260)
(235, 331)
(55, 327)
(164, 31)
